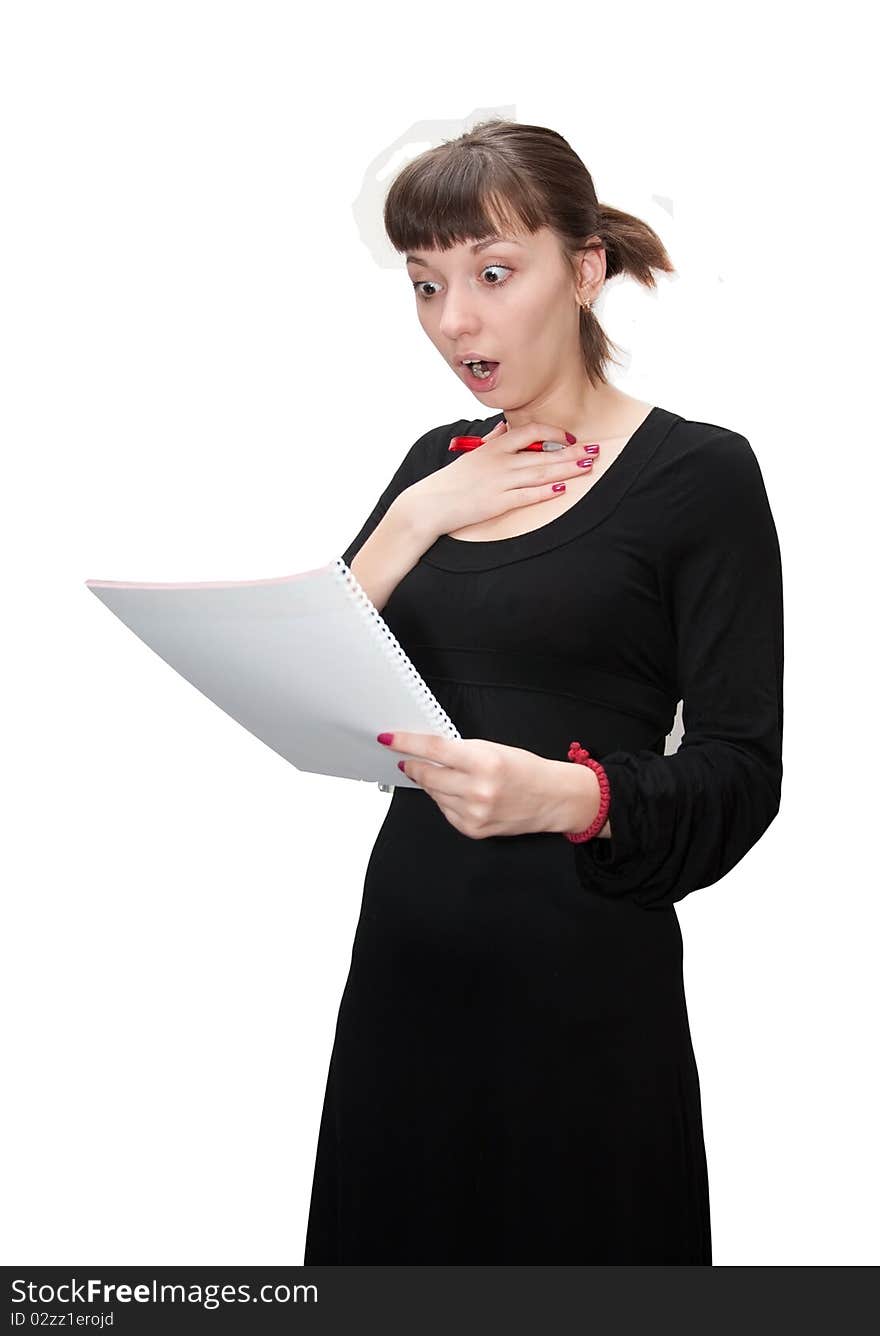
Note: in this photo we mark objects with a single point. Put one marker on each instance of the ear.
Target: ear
(591, 266)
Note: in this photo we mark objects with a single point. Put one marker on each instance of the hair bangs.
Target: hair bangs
(448, 197)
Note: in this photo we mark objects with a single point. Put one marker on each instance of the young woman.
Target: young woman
(512, 1078)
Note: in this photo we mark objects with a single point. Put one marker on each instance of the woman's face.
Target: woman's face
(511, 301)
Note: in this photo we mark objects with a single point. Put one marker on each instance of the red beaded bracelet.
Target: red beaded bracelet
(580, 754)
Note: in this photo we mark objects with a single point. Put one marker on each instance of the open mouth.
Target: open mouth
(481, 373)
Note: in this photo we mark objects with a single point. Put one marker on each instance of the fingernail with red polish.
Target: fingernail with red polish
(571, 439)
(384, 738)
(400, 765)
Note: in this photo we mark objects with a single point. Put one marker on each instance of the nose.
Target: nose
(458, 318)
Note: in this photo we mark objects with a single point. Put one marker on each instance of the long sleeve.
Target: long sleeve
(419, 461)
(681, 822)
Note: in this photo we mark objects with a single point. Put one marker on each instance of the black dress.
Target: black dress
(512, 1078)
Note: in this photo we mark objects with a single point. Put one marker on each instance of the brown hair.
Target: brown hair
(502, 175)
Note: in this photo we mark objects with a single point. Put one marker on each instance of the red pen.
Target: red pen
(471, 443)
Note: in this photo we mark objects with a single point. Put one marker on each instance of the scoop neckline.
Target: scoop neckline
(597, 502)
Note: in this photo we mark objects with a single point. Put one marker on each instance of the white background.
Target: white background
(203, 348)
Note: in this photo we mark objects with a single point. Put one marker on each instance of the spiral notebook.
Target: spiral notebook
(305, 662)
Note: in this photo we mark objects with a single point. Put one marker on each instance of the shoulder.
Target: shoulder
(706, 447)
(709, 481)
(705, 460)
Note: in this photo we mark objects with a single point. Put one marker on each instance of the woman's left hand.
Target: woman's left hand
(485, 788)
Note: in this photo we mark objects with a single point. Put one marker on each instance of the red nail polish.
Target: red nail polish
(571, 439)
(385, 738)
(400, 765)
(559, 487)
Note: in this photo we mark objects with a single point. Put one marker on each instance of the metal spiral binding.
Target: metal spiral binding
(400, 658)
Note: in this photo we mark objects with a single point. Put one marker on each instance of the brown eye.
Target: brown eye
(501, 281)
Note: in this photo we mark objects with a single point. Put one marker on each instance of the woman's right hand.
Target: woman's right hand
(498, 476)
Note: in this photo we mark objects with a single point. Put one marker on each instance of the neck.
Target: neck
(591, 413)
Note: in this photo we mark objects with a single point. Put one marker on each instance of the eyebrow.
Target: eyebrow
(478, 246)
